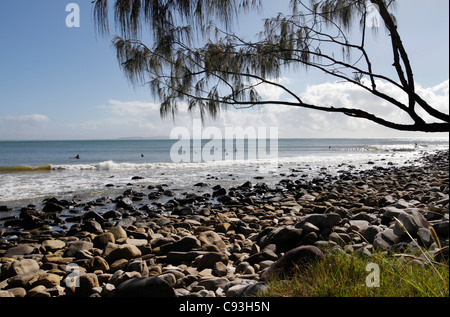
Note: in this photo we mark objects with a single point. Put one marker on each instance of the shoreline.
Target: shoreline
(223, 242)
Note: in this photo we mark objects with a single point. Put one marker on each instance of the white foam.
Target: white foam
(77, 179)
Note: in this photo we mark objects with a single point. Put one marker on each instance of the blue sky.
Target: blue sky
(64, 83)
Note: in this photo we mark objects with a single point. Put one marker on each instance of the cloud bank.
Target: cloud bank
(119, 119)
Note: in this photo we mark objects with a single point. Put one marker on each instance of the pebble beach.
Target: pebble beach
(215, 241)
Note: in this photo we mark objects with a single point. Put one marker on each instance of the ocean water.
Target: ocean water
(33, 170)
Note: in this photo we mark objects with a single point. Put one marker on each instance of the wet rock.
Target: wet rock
(125, 203)
(5, 209)
(52, 206)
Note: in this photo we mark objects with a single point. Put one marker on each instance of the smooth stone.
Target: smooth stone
(75, 246)
(124, 251)
(292, 261)
(144, 287)
(23, 249)
(52, 245)
(412, 221)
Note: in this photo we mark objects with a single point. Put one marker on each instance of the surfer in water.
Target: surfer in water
(76, 157)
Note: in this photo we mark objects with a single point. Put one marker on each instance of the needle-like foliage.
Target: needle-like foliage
(187, 52)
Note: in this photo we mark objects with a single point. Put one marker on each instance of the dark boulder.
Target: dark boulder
(144, 287)
(292, 261)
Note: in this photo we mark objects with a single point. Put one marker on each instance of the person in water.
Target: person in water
(76, 157)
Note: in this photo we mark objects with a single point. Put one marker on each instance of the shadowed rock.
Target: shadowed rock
(292, 261)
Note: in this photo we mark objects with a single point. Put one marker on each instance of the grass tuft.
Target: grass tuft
(344, 275)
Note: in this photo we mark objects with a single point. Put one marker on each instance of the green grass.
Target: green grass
(342, 275)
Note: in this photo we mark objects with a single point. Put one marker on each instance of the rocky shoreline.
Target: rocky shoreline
(228, 242)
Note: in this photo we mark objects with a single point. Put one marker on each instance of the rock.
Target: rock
(48, 280)
(307, 228)
(169, 278)
(262, 256)
(284, 238)
(52, 207)
(98, 263)
(386, 200)
(391, 212)
(6, 294)
(75, 246)
(144, 287)
(125, 251)
(52, 245)
(177, 258)
(208, 260)
(87, 283)
(125, 203)
(25, 280)
(442, 229)
(220, 269)
(23, 266)
(38, 291)
(370, 232)
(412, 221)
(138, 266)
(425, 237)
(371, 201)
(288, 264)
(252, 290)
(385, 239)
(359, 225)
(212, 284)
(92, 226)
(309, 239)
(308, 197)
(17, 291)
(118, 232)
(101, 240)
(336, 239)
(22, 249)
(185, 244)
(234, 290)
(5, 209)
(212, 238)
(32, 222)
(321, 221)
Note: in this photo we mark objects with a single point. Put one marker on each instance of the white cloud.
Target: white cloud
(23, 126)
(143, 119)
(32, 118)
(130, 108)
(272, 92)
